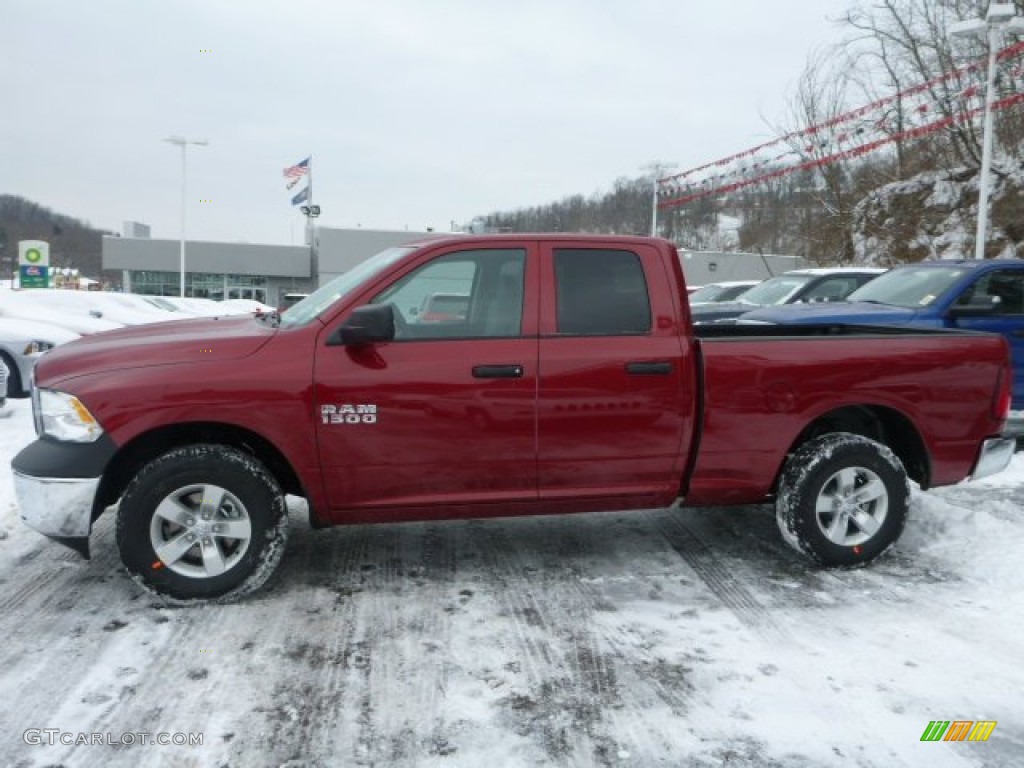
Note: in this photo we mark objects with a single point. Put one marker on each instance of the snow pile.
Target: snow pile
(934, 216)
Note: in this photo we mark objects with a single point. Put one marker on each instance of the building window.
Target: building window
(201, 285)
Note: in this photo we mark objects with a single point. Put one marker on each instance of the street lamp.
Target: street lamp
(182, 142)
(657, 170)
(999, 19)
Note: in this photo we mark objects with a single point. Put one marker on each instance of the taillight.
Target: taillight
(1003, 397)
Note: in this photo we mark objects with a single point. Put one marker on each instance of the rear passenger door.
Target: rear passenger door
(616, 386)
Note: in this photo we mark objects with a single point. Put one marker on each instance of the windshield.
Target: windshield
(776, 290)
(716, 293)
(324, 297)
(910, 287)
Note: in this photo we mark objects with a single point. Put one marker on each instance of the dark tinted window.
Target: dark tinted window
(600, 293)
(1003, 290)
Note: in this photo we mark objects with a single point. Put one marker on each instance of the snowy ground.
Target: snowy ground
(636, 639)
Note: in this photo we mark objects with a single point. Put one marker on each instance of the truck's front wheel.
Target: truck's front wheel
(842, 499)
(203, 521)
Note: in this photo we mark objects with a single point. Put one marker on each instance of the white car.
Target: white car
(22, 342)
(243, 307)
(122, 309)
(729, 290)
(40, 305)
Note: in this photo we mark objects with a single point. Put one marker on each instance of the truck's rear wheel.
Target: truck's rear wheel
(842, 499)
(202, 521)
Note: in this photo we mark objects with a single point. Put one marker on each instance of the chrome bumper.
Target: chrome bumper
(60, 508)
(995, 455)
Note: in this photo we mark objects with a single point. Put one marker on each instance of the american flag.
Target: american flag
(294, 173)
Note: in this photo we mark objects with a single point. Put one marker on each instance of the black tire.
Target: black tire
(843, 499)
(14, 387)
(163, 507)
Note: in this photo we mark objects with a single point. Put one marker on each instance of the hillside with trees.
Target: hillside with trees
(73, 243)
(914, 197)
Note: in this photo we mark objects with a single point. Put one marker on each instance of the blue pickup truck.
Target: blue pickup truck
(985, 295)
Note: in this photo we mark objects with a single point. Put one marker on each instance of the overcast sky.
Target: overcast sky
(416, 114)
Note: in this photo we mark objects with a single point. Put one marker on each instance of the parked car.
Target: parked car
(597, 394)
(976, 295)
(22, 342)
(44, 306)
(796, 286)
(195, 307)
(714, 293)
(444, 308)
(290, 300)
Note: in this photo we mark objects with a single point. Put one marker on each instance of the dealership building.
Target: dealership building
(242, 270)
(267, 272)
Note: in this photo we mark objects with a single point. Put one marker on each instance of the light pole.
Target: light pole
(182, 142)
(656, 170)
(1000, 18)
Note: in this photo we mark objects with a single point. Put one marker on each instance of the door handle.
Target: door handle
(1017, 332)
(649, 369)
(497, 371)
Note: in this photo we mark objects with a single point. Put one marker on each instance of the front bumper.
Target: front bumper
(58, 507)
(995, 455)
(56, 485)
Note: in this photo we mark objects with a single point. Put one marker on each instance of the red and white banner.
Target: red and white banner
(863, 130)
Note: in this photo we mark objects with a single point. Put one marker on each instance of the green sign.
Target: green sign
(35, 277)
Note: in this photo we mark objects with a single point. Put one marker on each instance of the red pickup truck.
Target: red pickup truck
(575, 382)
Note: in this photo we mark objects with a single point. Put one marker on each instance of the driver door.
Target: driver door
(444, 415)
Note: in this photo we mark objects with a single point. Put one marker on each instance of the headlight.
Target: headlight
(63, 417)
(37, 347)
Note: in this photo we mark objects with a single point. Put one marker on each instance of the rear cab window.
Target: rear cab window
(600, 292)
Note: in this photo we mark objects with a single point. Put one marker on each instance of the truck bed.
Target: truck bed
(762, 384)
(751, 332)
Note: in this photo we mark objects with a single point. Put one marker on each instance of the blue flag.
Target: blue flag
(301, 197)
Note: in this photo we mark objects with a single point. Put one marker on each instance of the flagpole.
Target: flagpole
(313, 260)
(309, 201)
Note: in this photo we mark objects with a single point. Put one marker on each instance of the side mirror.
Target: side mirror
(976, 307)
(370, 324)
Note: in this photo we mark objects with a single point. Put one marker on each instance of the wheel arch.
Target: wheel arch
(135, 454)
(885, 425)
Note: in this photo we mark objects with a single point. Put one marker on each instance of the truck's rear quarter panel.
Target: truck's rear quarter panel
(760, 393)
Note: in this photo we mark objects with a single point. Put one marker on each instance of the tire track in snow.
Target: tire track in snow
(587, 682)
(723, 582)
(794, 580)
(569, 682)
(57, 623)
(378, 599)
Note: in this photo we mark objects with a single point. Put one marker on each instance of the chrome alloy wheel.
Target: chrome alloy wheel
(851, 507)
(200, 531)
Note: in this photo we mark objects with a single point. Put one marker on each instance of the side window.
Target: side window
(469, 294)
(833, 289)
(1003, 289)
(600, 293)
